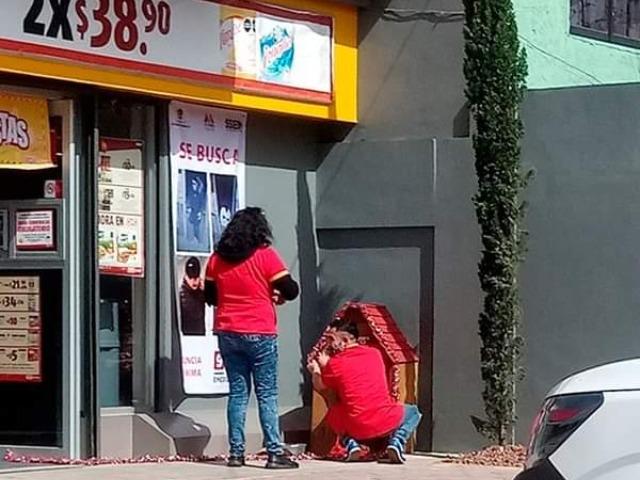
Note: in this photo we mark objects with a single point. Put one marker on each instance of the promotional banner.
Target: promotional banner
(281, 50)
(121, 208)
(20, 329)
(25, 142)
(240, 44)
(207, 170)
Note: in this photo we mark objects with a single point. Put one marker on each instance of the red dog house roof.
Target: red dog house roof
(379, 323)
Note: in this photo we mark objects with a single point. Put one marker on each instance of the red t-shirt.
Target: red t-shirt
(365, 409)
(245, 303)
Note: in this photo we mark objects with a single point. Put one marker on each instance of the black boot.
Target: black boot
(235, 461)
(281, 462)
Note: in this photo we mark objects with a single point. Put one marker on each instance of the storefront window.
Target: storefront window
(32, 288)
(31, 411)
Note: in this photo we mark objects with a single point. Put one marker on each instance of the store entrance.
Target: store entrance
(126, 231)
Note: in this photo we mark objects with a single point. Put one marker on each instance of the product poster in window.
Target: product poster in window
(20, 329)
(35, 230)
(208, 171)
(121, 207)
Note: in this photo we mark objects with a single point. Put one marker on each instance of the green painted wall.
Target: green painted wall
(559, 59)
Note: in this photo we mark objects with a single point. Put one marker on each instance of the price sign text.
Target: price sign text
(122, 23)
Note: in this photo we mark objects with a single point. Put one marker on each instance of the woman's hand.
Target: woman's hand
(277, 298)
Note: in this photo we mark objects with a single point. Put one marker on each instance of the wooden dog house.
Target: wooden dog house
(376, 327)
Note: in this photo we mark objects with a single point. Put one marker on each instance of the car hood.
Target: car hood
(622, 375)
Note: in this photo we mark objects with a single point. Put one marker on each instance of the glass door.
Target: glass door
(126, 204)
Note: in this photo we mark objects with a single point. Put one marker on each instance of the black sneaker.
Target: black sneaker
(281, 462)
(235, 461)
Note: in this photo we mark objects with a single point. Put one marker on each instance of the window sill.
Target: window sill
(604, 37)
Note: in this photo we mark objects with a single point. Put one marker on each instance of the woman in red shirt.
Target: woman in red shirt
(245, 279)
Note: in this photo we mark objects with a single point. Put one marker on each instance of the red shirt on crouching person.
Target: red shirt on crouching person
(365, 409)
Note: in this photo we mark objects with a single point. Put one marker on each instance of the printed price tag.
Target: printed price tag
(20, 329)
(124, 24)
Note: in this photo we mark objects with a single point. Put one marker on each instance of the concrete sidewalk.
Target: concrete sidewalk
(416, 468)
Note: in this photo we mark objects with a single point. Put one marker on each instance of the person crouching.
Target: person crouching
(365, 409)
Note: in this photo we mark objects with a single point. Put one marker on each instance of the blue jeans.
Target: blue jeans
(401, 435)
(247, 356)
(410, 422)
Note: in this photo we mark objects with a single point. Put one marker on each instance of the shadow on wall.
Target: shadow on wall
(382, 10)
(316, 309)
(296, 423)
(368, 17)
(190, 438)
(396, 38)
(308, 257)
(170, 391)
(431, 16)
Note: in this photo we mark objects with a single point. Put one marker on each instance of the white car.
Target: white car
(589, 427)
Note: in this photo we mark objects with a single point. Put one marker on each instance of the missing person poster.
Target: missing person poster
(207, 172)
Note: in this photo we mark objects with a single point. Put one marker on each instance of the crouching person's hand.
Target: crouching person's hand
(314, 368)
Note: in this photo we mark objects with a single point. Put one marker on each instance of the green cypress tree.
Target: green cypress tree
(495, 70)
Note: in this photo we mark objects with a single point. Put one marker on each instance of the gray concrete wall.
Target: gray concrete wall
(581, 277)
(401, 173)
(395, 218)
(396, 225)
(410, 71)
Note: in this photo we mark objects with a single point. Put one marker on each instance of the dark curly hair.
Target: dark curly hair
(247, 231)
